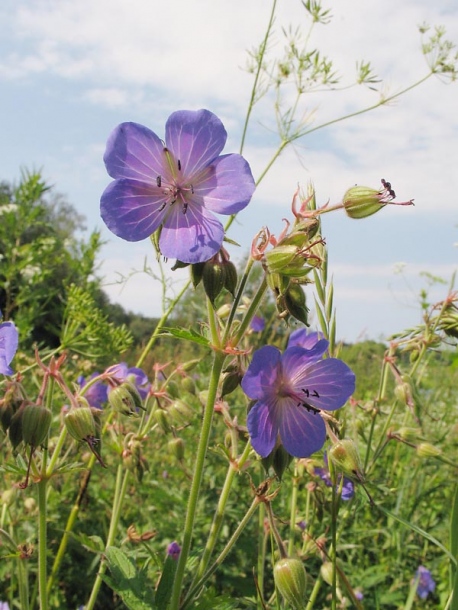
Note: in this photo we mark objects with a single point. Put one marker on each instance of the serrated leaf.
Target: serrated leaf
(128, 581)
(187, 334)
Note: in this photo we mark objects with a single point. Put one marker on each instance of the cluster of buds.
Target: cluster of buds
(217, 273)
(294, 254)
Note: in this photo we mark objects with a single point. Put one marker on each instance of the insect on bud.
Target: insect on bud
(291, 580)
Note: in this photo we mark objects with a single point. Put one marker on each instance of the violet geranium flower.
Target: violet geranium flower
(302, 338)
(175, 186)
(426, 583)
(97, 394)
(121, 372)
(8, 346)
(290, 390)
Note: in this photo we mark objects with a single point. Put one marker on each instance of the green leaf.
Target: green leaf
(128, 581)
(164, 588)
(187, 334)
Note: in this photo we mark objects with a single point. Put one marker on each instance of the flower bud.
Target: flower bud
(230, 277)
(407, 434)
(161, 419)
(214, 277)
(279, 459)
(188, 385)
(125, 399)
(295, 303)
(36, 421)
(326, 571)
(80, 423)
(428, 450)
(180, 413)
(15, 428)
(197, 270)
(291, 580)
(362, 201)
(231, 381)
(176, 447)
(345, 458)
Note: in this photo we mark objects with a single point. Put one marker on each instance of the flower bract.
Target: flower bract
(174, 186)
(290, 390)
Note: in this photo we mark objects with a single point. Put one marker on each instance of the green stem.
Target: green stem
(120, 492)
(42, 544)
(233, 469)
(224, 553)
(218, 363)
(161, 324)
(260, 60)
(292, 517)
(314, 593)
(262, 551)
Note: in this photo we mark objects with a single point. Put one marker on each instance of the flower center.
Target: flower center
(174, 191)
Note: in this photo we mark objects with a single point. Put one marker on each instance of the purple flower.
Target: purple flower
(426, 583)
(138, 377)
(348, 488)
(174, 185)
(302, 338)
(174, 550)
(97, 394)
(290, 390)
(8, 346)
(257, 324)
(4, 606)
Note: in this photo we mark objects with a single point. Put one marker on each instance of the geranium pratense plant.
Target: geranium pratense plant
(174, 186)
(290, 390)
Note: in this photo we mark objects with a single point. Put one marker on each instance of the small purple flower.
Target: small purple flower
(4, 606)
(290, 390)
(257, 324)
(426, 584)
(302, 338)
(138, 377)
(8, 345)
(175, 186)
(174, 550)
(348, 488)
(97, 394)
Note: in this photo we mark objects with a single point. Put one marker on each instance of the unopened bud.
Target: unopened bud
(279, 459)
(291, 580)
(161, 418)
(326, 572)
(362, 201)
(213, 279)
(180, 413)
(295, 303)
(80, 423)
(345, 458)
(188, 385)
(15, 428)
(197, 270)
(230, 277)
(407, 434)
(125, 399)
(176, 446)
(231, 381)
(428, 450)
(36, 421)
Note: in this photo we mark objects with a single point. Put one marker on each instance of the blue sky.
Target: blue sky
(71, 71)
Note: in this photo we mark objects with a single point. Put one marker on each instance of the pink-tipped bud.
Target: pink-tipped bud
(291, 580)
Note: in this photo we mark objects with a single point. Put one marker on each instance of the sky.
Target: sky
(71, 71)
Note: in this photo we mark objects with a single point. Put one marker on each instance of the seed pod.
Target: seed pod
(291, 580)
(188, 385)
(180, 413)
(231, 381)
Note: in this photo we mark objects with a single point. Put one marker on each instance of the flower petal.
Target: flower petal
(193, 236)
(325, 384)
(302, 338)
(261, 379)
(262, 428)
(227, 185)
(195, 138)
(302, 432)
(134, 151)
(131, 209)
(8, 345)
